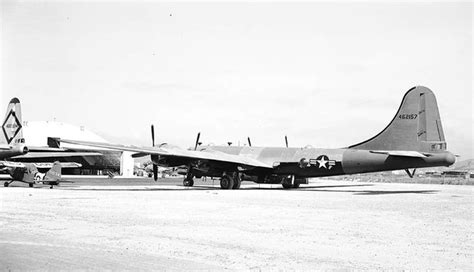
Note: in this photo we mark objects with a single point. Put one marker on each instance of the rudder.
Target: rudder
(54, 174)
(416, 126)
(12, 132)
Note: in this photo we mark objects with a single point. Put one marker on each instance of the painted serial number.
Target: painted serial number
(408, 116)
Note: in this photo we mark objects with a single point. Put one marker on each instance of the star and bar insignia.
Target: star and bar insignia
(323, 161)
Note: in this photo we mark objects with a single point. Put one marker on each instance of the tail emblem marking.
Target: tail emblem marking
(11, 126)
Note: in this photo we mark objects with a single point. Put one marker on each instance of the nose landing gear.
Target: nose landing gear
(188, 180)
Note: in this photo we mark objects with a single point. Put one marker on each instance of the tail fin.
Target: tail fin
(54, 174)
(12, 132)
(416, 126)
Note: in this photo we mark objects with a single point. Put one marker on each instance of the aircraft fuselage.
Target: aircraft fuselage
(318, 162)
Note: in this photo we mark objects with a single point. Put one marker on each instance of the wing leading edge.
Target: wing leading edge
(177, 152)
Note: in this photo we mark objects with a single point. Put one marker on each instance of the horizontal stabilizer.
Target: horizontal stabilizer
(400, 153)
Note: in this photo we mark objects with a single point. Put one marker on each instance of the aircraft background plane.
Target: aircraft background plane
(29, 173)
(413, 139)
(12, 143)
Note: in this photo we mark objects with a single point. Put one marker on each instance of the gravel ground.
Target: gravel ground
(324, 225)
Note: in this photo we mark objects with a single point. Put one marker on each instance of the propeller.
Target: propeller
(197, 141)
(155, 167)
(286, 141)
(155, 172)
(152, 135)
(250, 143)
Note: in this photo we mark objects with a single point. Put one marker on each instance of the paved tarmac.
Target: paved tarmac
(129, 224)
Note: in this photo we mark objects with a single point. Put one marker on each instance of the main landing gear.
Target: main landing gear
(231, 181)
(228, 181)
(290, 182)
(7, 183)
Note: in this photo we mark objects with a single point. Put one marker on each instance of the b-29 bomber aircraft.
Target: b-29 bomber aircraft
(413, 139)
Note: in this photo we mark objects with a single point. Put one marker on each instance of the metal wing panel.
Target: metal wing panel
(12, 164)
(63, 165)
(56, 155)
(177, 152)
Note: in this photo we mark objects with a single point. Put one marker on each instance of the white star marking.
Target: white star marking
(322, 162)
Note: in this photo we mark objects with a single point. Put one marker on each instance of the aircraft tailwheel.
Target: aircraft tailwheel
(30, 185)
(237, 182)
(188, 182)
(6, 184)
(227, 182)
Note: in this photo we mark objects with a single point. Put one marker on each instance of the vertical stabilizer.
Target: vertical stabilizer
(12, 132)
(416, 126)
(54, 174)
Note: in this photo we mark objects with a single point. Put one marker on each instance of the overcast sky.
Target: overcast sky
(328, 75)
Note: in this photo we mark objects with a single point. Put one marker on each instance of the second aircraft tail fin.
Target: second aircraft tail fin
(54, 174)
(12, 132)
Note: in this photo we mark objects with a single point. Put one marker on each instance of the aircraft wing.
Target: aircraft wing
(177, 152)
(10, 164)
(60, 154)
(63, 164)
(401, 153)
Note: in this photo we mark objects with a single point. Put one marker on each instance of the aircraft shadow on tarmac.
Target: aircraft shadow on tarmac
(324, 188)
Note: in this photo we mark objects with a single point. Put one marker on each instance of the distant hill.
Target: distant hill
(464, 165)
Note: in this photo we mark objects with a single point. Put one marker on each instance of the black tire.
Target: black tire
(227, 182)
(188, 182)
(30, 185)
(237, 182)
(286, 182)
(6, 184)
(296, 185)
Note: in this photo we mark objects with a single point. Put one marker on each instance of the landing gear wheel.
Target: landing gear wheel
(6, 184)
(188, 182)
(296, 185)
(189, 179)
(287, 182)
(227, 182)
(237, 182)
(30, 185)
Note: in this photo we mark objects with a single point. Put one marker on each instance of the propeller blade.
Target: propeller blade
(248, 139)
(197, 141)
(286, 141)
(152, 135)
(155, 172)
